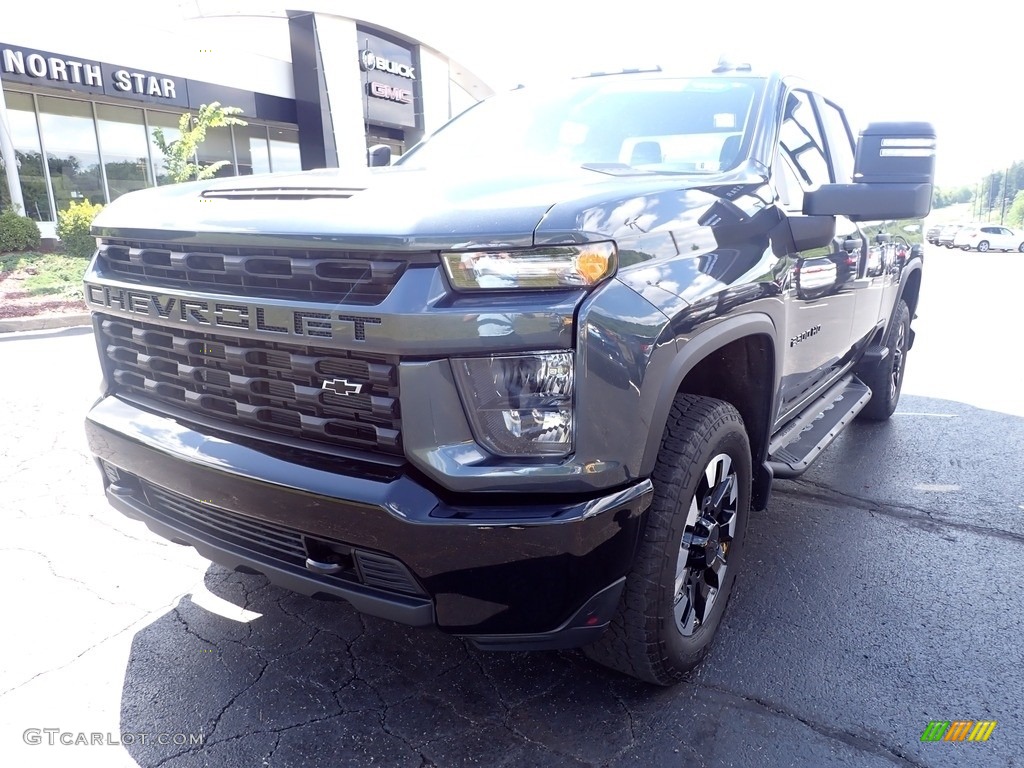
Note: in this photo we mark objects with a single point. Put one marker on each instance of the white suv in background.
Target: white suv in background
(989, 237)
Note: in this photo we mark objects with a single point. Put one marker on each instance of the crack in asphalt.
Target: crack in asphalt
(858, 742)
(82, 584)
(895, 510)
(68, 663)
(632, 728)
(234, 698)
(505, 721)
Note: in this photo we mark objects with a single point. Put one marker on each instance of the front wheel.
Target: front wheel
(685, 565)
(1020, 248)
(886, 380)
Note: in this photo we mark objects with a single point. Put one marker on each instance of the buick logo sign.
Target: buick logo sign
(369, 62)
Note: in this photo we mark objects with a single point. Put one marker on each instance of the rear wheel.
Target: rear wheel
(685, 566)
(1021, 247)
(886, 380)
(983, 246)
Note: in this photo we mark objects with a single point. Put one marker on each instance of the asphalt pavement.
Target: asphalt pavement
(879, 592)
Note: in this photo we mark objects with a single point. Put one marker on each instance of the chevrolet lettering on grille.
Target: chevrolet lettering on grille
(227, 314)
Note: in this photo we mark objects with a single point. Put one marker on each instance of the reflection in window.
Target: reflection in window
(252, 149)
(216, 148)
(284, 150)
(123, 142)
(801, 140)
(169, 124)
(69, 134)
(25, 137)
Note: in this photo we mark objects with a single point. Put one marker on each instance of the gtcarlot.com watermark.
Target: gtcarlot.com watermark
(57, 736)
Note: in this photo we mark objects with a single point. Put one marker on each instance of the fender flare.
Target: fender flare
(692, 352)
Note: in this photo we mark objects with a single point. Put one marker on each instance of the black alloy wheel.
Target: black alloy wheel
(682, 576)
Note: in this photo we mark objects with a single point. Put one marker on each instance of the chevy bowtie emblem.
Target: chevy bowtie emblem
(342, 387)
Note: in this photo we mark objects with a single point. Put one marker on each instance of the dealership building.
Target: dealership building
(316, 89)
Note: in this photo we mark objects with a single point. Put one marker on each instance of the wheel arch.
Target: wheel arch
(910, 292)
(728, 362)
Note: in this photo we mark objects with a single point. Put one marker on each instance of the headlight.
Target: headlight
(563, 266)
(519, 405)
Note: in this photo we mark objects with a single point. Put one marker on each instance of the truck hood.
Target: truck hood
(376, 209)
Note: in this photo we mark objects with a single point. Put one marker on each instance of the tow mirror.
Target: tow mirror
(893, 176)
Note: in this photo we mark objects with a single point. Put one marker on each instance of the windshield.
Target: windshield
(657, 125)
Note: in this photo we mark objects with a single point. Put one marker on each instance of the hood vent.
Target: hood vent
(280, 193)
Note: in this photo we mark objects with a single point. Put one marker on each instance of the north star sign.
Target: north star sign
(28, 65)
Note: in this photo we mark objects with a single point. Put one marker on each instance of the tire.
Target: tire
(983, 246)
(1020, 248)
(664, 623)
(886, 380)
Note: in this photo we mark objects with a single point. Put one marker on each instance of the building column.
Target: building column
(325, 69)
(10, 159)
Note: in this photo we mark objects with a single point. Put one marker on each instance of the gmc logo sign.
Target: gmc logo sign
(389, 92)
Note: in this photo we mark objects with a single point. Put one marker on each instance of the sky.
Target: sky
(960, 67)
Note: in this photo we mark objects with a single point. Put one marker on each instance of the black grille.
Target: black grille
(265, 385)
(282, 544)
(220, 525)
(347, 277)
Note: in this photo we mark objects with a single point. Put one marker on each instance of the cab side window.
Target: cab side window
(800, 163)
(840, 140)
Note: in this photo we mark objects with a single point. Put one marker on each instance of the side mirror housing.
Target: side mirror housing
(809, 232)
(893, 176)
(378, 155)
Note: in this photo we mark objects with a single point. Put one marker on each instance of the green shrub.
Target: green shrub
(73, 228)
(17, 233)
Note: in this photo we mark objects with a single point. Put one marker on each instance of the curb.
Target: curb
(44, 322)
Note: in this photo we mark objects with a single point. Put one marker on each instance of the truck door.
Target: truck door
(818, 297)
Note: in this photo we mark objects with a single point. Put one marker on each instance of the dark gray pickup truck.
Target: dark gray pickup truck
(526, 384)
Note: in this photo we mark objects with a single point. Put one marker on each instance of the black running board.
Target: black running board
(798, 443)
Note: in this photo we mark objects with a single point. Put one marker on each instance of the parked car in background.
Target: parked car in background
(989, 237)
(948, 233)
(931, 235)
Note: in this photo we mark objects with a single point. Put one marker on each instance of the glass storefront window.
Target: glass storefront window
(252, 149)
(169, 124)
(69, 134)
(123, 144)
(130, 158)
(25, 137)
(216, 148)
(284, 150)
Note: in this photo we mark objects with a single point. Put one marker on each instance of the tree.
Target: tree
(1015, 216)
(180, 158)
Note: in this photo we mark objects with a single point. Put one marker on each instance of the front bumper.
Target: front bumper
(509, 570)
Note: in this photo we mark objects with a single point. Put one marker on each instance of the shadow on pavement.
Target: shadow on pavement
(835, 649)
